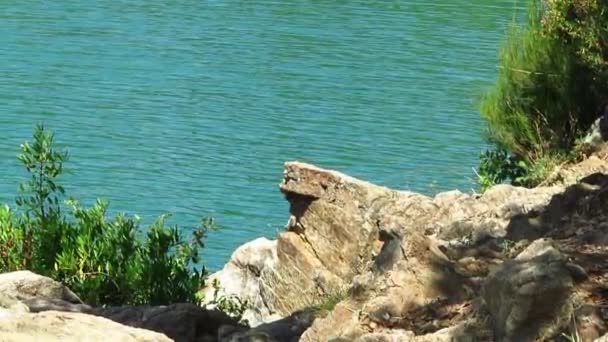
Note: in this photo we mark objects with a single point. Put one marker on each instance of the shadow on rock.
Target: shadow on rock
(181, 322)
(585, 200)
(287, 329)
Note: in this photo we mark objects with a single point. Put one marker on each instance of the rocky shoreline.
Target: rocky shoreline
(361, 262)
(453, 267)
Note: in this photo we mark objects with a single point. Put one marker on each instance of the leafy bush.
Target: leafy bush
(104, 260)
(529, 109)
(11, 240)
(497, 167)
(551, 85)
(230, 304)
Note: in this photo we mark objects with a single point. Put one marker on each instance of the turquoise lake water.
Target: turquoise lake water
(193, 106)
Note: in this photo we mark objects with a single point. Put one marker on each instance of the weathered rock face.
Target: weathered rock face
(530, 297)
(406, 300)
(36, 308)
(339, 224)
(412, 268)
(70, 326)
(330, 236)
(242, 275)
(25, 285)
(360, 262)
(23, 294)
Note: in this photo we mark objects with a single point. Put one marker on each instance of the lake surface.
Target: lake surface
(193, 106)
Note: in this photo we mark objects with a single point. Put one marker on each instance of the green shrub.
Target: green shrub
(11, 240)
(329, 302)
(530, 108)
(583, 25)
(230, 304)
(104, 260)
(497, 167)
(42, 223)
(552, 83)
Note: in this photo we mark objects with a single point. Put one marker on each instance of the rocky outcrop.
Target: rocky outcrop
(20, 290)
(37, 308)
(361, 262)
(70, 326)
(26, 285)
(377, 264)
(242, 275)
(338, 225)
(529, 297)
(330, 235)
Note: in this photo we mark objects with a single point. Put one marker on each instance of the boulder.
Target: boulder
(23, 294)
(330, 236)
(241, 277)
(598, 132)
(530, 297)
(57, 326)
(26, 285)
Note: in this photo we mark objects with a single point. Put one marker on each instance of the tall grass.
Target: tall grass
(530, 108)
(552, 80)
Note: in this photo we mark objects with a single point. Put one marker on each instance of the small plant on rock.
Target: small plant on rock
(330, 301)
(230, 304)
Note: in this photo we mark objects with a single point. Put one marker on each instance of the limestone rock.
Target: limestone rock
(412, 267)
(529, 297)
(403, 299)
(56, 326)
(329, 239)
(25, 293)
(24, 285)
(598, 132)
(340, 228)
(241, 277)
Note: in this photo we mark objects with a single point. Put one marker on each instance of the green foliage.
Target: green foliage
(552, 83)
(330, 301)
(507, 245)
(104, 260)
(42, 223)
(535, 173)
(497, 167)
(582, 24)
(532, 107)
(11, 240)
(232, 305)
